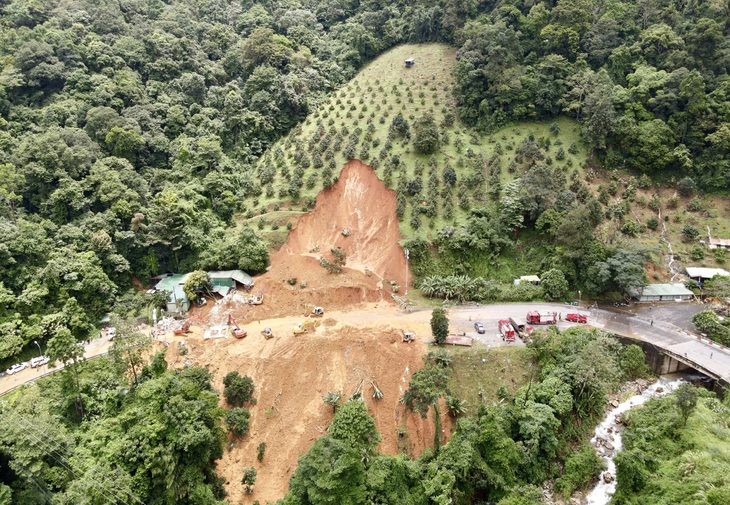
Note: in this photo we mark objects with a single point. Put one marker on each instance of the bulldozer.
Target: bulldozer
(317, 312)
(237, 332)
(308, 325)
(266, 332)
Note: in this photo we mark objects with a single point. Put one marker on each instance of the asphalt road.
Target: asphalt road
(671, 330)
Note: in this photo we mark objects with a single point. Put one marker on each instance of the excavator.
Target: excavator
(237, 332)
(256, 299)
(185, 328)
(267, 333)
(308, 325)
(317, 312)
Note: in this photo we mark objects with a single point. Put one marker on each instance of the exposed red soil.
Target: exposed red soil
(359, 337)
(358, 202)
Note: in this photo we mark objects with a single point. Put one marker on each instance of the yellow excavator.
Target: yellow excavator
(308, 325)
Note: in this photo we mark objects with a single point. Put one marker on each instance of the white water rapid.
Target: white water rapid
(607, 440)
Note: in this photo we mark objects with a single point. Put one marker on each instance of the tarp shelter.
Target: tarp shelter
(703, 274)
(662, 293)
(177, 301)
(225, 280)
(533, 279)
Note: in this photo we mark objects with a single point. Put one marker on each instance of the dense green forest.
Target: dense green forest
(130, 130)
(500, 454)
(676, 451)
(96, 434)
(130, 135)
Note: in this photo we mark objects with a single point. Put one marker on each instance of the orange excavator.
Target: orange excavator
(237, 332)
(185, 328)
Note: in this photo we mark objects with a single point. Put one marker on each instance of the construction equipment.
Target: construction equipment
(308, 325)
(185, 328)
(507, 330)
(256, 299)
(266, 332)
(409, 336)
(237, 331)
(317, 312)
(542, 317)
(576, 318)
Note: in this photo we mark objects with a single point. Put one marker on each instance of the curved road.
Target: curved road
(668, 332)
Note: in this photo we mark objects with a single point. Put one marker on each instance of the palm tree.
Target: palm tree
(429, 286)
(455, 406)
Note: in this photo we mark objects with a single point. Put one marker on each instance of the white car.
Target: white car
(111, 332)
(16, 368)
(39, 361)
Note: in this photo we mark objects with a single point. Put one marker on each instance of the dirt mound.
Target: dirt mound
(362, 207)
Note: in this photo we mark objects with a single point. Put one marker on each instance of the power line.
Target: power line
(59, 458)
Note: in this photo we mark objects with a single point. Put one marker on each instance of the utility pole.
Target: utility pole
(406, 251)
(579, 295)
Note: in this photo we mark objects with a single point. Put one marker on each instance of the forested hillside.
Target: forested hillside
(139, 137)
(130, 129)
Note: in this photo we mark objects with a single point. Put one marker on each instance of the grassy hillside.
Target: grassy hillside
(468, 170)
(360, 114)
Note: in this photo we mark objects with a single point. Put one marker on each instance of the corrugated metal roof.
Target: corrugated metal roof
(724, 242)
(221, 290)
(705, 273)
(237, 275)
(168, 283)
(663, 290)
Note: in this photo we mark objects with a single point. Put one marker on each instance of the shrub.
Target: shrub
(720, 255)
(686, 186)
(238, 389)
(630, 228)
(260, 451)
(695, 205)
(652, 224)
(690, 233)
(439, 325)
(698, 252)
(249, 479)
(237, 421)
(581, 468)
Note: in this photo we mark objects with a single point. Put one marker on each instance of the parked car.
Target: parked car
(16, 368)
(479, 327)
(39, 361)
(111, 332)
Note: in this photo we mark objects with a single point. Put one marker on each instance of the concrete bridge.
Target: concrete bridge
(676, 348)
(669, 346)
